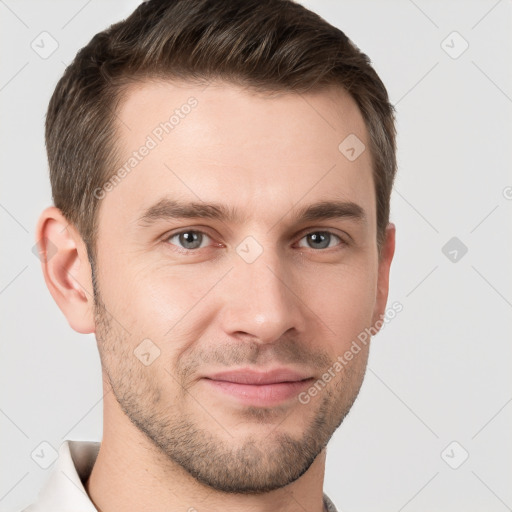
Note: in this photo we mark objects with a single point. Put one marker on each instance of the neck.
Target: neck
(131, 474)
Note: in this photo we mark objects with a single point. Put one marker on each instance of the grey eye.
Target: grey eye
(188, 239)
(320, 239)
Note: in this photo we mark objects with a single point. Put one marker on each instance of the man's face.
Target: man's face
(245, 311)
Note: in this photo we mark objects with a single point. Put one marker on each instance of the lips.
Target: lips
(246, 376)
(259, 388)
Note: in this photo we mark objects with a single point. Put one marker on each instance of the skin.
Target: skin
(166, 429)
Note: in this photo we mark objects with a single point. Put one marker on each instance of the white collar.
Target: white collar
(64, 490)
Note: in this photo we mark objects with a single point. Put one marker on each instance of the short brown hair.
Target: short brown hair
(266, 45)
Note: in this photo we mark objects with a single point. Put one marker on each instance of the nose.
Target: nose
(261, 302)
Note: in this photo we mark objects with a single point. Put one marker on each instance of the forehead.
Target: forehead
(254, 151)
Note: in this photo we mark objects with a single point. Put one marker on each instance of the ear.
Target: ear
(66, 269)
(386, 256)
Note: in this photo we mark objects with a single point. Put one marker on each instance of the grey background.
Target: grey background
(438, 373)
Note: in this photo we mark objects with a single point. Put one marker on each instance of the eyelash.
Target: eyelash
(183, 250)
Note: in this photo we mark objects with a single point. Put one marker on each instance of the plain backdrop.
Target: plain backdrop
(431, 428)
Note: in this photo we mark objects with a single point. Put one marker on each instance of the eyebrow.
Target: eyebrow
(167, 209)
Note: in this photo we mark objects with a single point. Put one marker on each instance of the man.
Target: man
(221, 173)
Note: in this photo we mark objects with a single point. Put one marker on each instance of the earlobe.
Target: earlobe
(66, 269)
(386, 257)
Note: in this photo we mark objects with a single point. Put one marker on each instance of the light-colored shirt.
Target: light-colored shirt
(64, 490)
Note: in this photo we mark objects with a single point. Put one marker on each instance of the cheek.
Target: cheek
(344, 301)
(159, 303)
